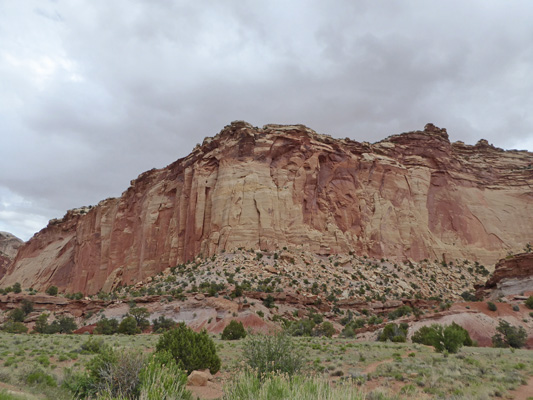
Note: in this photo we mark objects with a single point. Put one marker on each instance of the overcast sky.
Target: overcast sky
(92, 93)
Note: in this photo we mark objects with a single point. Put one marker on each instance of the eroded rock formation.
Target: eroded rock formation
(9, 245)
(512, 276)
(414, 195)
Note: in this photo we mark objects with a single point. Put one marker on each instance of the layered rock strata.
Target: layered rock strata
(410, 196)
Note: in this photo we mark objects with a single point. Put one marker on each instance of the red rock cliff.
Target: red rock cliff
(414, 195)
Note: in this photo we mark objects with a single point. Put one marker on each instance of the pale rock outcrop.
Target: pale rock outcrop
(410, 196)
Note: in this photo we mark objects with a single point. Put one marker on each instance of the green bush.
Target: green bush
(163, 324)
(191, 350)
(128, 326)
(52, 291)
(529, 302)
(272, 353)
(509, 336)
(400, 312)
(324, 329)
(17, 288)
(233, 331)
(17, 315)
(394, 333)
(268, 302)
(93, 345)
(161, 378)
(27, 306)
(14, 327)
(106, 326)
(492, 306)
(38, 377)
(450, 338)
(141, 315)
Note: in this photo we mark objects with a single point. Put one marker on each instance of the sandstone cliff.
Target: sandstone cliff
(9, 245)
(512, 275)
(414, 195)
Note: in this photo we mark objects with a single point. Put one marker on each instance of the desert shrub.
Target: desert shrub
(37, 376)
(324, 329)
(268, 302)
(115, 374)
(393, 332)
(14, 327)
(492, 306)
(400, 312)
(17, 288)
(191, 350)
(161, 378)
(516, 308)
(52, 291)
(248, 386)
(233, 331)
(468, 296)
(128, 326)
(302, 327)
(450, 338)
(26, 306)
(106, 326)
(509, 336)
(93, 345)
(272, 353)
(43, 360)
(163, 324)
(17, 315)
(529, 302)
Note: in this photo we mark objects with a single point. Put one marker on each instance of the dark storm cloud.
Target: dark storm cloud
(94, 93)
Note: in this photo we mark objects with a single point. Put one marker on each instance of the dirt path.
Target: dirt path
(523, 392)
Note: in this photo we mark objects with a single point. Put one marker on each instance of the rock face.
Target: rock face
(413, 195)
(9, 245)
(512, 275)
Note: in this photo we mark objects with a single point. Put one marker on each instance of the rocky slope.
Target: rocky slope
(410, 196)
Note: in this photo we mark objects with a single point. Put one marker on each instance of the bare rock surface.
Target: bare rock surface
(411, 196)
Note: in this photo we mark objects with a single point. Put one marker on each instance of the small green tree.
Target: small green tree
(191, 350)
(492, 306)
(233, 331)
(509, 336)
(52, 291)
(268, 302)
(163, 324)
(17, 288)
(66, 324)
(394, 333)
(128, 326)
(27, 306)
(17, 315)
(324, 329)
(450, 338)
(529, 302)
(106, 326)
(41, 324)
(141, 315)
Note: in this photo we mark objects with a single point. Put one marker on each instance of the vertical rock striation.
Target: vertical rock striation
(413, 195)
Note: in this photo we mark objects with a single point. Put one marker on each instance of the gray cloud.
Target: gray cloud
(96, 92)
